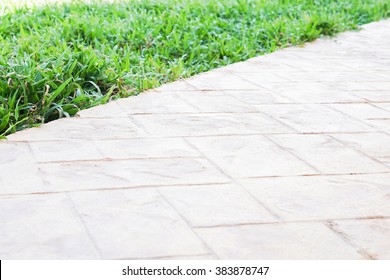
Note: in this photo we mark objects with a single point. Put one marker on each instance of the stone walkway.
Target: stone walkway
(285, 156)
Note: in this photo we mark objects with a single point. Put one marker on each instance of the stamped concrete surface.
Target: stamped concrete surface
(283, 156)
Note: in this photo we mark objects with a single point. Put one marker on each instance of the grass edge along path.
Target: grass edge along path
(58, 59)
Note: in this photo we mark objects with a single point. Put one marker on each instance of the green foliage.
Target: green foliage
(56, 60)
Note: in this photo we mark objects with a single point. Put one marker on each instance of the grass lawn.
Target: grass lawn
(56, 60)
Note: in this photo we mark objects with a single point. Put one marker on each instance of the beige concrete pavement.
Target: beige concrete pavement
(284, 156)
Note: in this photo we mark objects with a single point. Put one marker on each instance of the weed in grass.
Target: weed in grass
(56, 60)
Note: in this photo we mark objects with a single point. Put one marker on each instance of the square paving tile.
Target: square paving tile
(322, 197)
(383, 72)
(129, 173)
(258, 97)
(364, 64)
(352, 86)
(250, 156)
(215, 101)
(155, 102)
(146, 148)
(265, 77)
(256, 65)
(313, 118)
(216, 205)
(328, 155)
(42, 227)
(380, 124)
(15, 153)
(80, 128)
(70, 150)
(209, 124)
(76, 150)
(21, 178)
(216, 80)
(334, 77)
(375, 145)
(385, 106)
(277, 241)
(371, 235)
(373, 95)
(364, 112)
(135, 224)
(312, 92)
(317, 65)
(384, 85)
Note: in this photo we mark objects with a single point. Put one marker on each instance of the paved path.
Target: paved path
(285, 156)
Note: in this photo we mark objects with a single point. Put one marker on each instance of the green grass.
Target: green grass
(56, 60)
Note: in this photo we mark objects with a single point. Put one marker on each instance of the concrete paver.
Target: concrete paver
(328, 155)
(251, 156)
(87, 175)
(277, 241)
(43, 227)
(283, 156)
(371, 235)
(220, 81)
(374, 145)
(313, 118)
(124, 224)
(76, 150)
(228, 203)
(181, 125)
(321, 197)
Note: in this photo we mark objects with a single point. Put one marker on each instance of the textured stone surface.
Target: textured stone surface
(277, 241)
(81, 128)
(370, 235)
(42, 227)
(313, 118)
(328, 155)
(250, 156)
(375, 145)
(175, 125)
(21, 178)
(135, 224)
(130, 173)
(322, 197)
(228, 204)
(282, 156)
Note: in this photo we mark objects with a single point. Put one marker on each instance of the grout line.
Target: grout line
(116, 188)
(333, 227)
(189, 225)
(183, 185)
(297, 221)
(317, 175)
(138, 125)
(350, 116)
(294, 155)
(105, 159)
(376, 129)
(180, 97)
(359, 151)
(234, 181)
(74, 208)
(188, 136)
(277, 120)
(40, 171)
(96, 146)
(286, 80)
